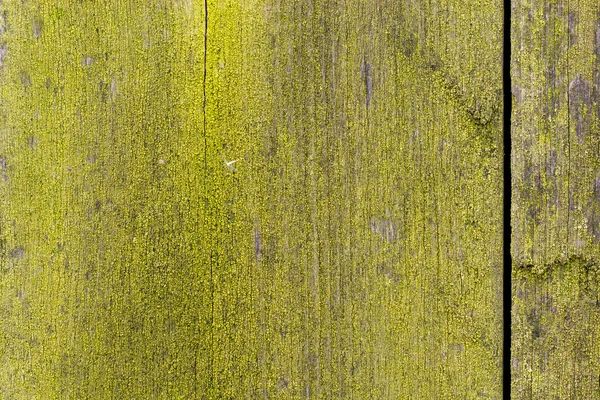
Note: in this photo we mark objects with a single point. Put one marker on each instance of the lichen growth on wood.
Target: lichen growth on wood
(556, 199)
(353, 252)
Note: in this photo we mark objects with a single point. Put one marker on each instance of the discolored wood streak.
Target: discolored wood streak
(556, 199)
(352, 250)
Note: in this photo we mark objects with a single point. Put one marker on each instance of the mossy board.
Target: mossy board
(352, 250)
(556, 199)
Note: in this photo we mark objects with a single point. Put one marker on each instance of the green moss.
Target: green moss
(555, 199)
(353, 251)
(555, 313)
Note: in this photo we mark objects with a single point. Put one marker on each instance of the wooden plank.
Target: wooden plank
(556, 199)
(353, 250)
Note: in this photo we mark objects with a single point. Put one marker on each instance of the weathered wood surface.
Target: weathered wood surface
(556, 199)
(352, 251)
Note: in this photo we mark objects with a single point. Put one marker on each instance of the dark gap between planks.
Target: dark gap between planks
(507, 201)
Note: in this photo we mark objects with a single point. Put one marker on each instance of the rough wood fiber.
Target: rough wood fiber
(352, 251)
(556, 199)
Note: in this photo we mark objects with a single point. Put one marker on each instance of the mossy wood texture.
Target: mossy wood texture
(556, 199)
(352, 250)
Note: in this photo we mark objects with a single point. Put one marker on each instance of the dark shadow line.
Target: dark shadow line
(507, 203)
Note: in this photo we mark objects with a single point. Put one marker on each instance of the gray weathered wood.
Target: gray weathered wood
(556, 199)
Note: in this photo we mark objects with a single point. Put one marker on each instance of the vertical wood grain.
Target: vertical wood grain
(556, 187)
(305, 205)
